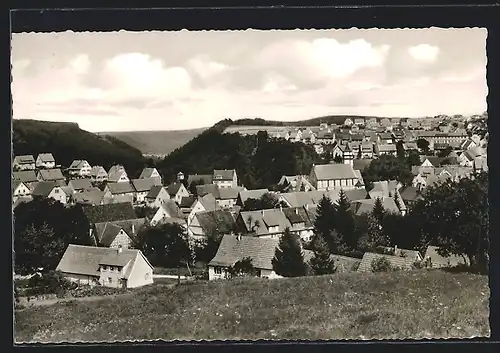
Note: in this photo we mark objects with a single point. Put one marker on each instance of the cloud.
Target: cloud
(424, 52)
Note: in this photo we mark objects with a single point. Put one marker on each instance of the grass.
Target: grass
(158, 142)
(419, 304)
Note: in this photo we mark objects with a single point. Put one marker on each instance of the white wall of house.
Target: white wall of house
(197, 208)
(123, 178)
(40, 164)
(25, 166)
(224, 183)
(59, 195)
(269, 274)
(122, 239)
(21, 190)
(100, 177)
(227, 203)
(140, 197)
(182, 192)
(217, 272)
(336, 183)
(141, 274)
(82, 279)
(111, 276)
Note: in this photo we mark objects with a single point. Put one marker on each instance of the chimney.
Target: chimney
(262, 212)
(238, 237)
(133, 228)
(296, 211)
(395, 249)
(281, 208)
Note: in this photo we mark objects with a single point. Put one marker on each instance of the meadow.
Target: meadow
(395, 305)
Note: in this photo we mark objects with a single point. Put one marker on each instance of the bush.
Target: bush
(381, 264)
(418, 265)
(52, 282)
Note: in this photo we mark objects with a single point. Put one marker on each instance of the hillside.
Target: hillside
(396, 305)
(329, 119)
(251, 156)
(155, 142)
(66, 141)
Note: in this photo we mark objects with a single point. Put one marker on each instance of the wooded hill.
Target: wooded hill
(259, 161)
(67, 142)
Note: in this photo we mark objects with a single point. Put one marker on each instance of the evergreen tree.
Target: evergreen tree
(322, 263)
(400, 150)
(378, 211)
(344, 224)
(376, 225)
(324, 224)
(288, 259)
(359, 152)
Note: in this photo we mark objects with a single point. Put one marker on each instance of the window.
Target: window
(56, 191)
(111, 268)
(146, 276)
(110, 279)
(217, 270)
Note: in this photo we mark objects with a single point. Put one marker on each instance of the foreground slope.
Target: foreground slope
(66, 141)
(156, 142)
(342, 306)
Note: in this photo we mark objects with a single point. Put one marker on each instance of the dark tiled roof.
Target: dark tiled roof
(187, 201)
(109, 212)
(173, 188)
(154, 192)
(220, 221)
(223, 174)
(51, 174)
(143, 185)
(26, 176)
(91, 197)
(46, 157)
(231, 250)
(26, 159)
(43, 188)
(108, 234)
(404, 263)
(80, 184)
(120, 188)
(410, 193)
(334, 171)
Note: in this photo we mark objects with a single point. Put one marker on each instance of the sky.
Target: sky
(175, 80)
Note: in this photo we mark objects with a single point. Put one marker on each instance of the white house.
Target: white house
(26, 162)
(50, 189)
(98, 174)
(168, 209)
(142, 188)
(211, 222)
(151, 173)
(108, 267)
(204, 203)
(19, 189)
(45, 160)
(112, 235)
(177, 191)
(225, 178)
(80, 168)
(51, 175)
(330, 176)
(117, 174)
(156, 196)
(233, 248)
(80, 185)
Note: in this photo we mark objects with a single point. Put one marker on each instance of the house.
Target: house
(112, 236)
(151, 173)
(359, 121)
(467, 144)
(271, 223)
(177, 191)
(348, 122)
(225, 178)
(80, 168)
(186, 205)
(52, 175)
(98, 174)
(19, 189)
(312, 198)
(50, 189)
(25, 162)
(385, 138)
(360, 207)
(203, 203)
(410, 146)
(325, 137)
(45, 160)
(410, 195)
(168, 209)
(156, 196)
(108, 267)
(26, 176)
(216, 221)
(366, 150)
(234, 248)
(89, 197)
(117, 174)
(244, 195)
(121, 190)
(109, 212)
(385, 149)
(399, 262)
(329, 176)
(466, 159)
(142, 187)
(199, 179)
(438, 261)
(80, 185)
(295, 183)
(226, 198)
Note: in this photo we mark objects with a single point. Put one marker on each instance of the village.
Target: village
(215, 203)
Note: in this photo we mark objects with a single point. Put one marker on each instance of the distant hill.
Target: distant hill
(155, 142)
(329, 119)
(66, 141)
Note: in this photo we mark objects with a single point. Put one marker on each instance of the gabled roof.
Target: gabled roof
(98, 170)
(46, 157)
(219, 221)
(26, 176)
(173, 188)
(80, 184)
(143, 185)
(302, 198)
(25, 159)
(130, 226)
(383, 188)
(85, 260)
(120, 188)
(172, 209)
(223, 174)
(229, 193)
(233, 249)
(202, 190)
(90, 197)
(109, 212)
(206, 178)
(77, 164)
(297, 215)
(208, 201)
(107, 234)
(366, 206)
(115, 172)
(147, 173)
(51, 174)
(405, 263)
(410, 193)
(334, 171)
(43, 188)
(154, 192)
(251, 194)
(187, 201)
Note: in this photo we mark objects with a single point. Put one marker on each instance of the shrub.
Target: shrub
(381, 264)
(418, 265)
(243, 267)
(52, 282)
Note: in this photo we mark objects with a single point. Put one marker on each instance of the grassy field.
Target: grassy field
(420, 304)
(158, 142)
